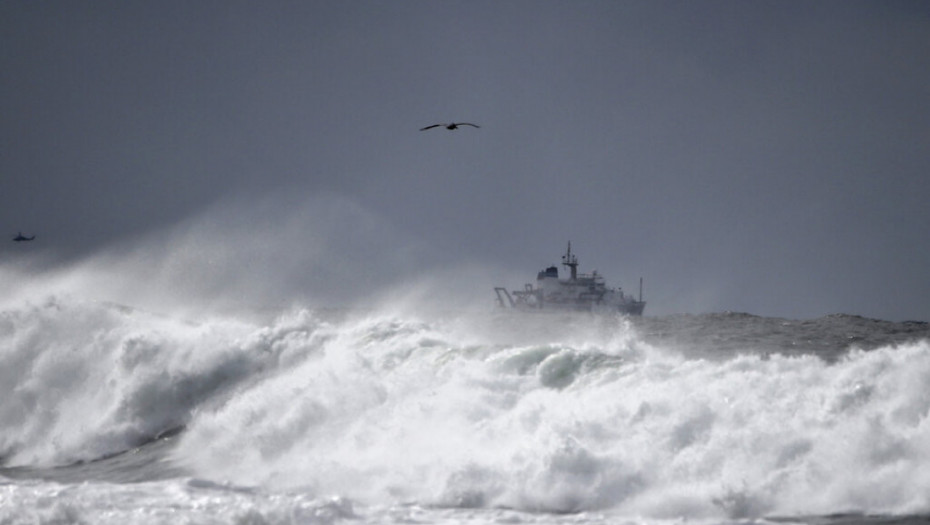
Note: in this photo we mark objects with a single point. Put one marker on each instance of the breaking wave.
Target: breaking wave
(557, 414)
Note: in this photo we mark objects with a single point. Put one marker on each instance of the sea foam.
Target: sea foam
(556, 414)
(383, 409)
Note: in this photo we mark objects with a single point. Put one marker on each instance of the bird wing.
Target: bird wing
(430, 127)
(468, 124)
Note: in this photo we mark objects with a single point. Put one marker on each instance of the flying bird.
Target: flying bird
(451, 125)
(20, 237)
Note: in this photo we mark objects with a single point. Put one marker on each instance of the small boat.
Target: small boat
(578, 293)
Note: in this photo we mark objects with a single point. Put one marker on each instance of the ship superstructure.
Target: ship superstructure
(580, 292)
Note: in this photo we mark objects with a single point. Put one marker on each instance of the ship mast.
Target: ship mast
(571, 261)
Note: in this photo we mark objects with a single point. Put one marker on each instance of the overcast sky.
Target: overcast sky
(766, 157)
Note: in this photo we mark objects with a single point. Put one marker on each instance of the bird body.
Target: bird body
(451, 125)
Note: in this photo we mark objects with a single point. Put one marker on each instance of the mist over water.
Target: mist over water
(247, 254)
(211, 373)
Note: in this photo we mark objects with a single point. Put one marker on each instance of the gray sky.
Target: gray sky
(767, 157)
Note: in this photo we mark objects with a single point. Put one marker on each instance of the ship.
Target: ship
(577, 293)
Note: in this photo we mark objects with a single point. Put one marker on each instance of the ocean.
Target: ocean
(113, 414)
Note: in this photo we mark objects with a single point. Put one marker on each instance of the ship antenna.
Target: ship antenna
(571, 261)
